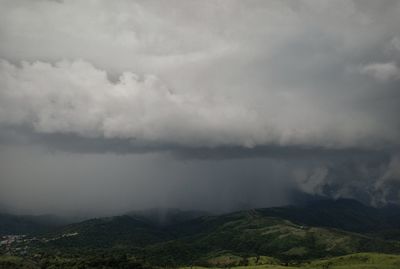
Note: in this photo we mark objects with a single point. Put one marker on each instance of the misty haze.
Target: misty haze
(183, 133)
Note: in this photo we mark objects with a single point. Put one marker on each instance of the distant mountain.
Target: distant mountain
(27, 224)
(108, 232)
(136, 229)
(254, 233)
(318, 229)
(36, 224)
(345, 214)
(166, 216)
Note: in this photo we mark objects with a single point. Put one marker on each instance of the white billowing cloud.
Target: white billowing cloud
(387, 185)
(78, 98)
(393, 171)
(119, 36)
(395, 44)
(311, 181)
(375, 181)
(382, 71)
(241, 73)
(75, 97)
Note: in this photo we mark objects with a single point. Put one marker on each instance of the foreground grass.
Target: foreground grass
(11, 262)
(353, 261)
(358, 261)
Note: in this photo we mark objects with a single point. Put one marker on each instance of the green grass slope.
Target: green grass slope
(108, 233)
(251, 233)
(354, 261)
(11, 262)
(358, 261)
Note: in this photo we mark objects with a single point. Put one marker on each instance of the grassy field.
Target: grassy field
(11, 262)
(359, 261)
(354, 261)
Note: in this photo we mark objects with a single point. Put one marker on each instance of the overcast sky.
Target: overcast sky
(110, 106)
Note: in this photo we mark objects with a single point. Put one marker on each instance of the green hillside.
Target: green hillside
(275, 236)
(108, 232)
(344, 214)
(353, 261)
(250, 234)
(197, 241)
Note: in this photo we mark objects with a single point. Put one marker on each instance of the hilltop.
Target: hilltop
(290, 234)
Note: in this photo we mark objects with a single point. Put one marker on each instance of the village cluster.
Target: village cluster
(19, 244)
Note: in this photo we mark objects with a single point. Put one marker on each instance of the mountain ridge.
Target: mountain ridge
(331, 228)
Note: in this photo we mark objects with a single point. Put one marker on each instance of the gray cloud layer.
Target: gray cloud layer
(305, 85)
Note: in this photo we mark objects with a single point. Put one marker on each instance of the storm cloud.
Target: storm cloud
(259, 97)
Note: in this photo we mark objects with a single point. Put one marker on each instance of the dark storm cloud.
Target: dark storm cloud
(61, 142)
(77, 144)
(278, 152)
(364, 174)
(253, 96)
